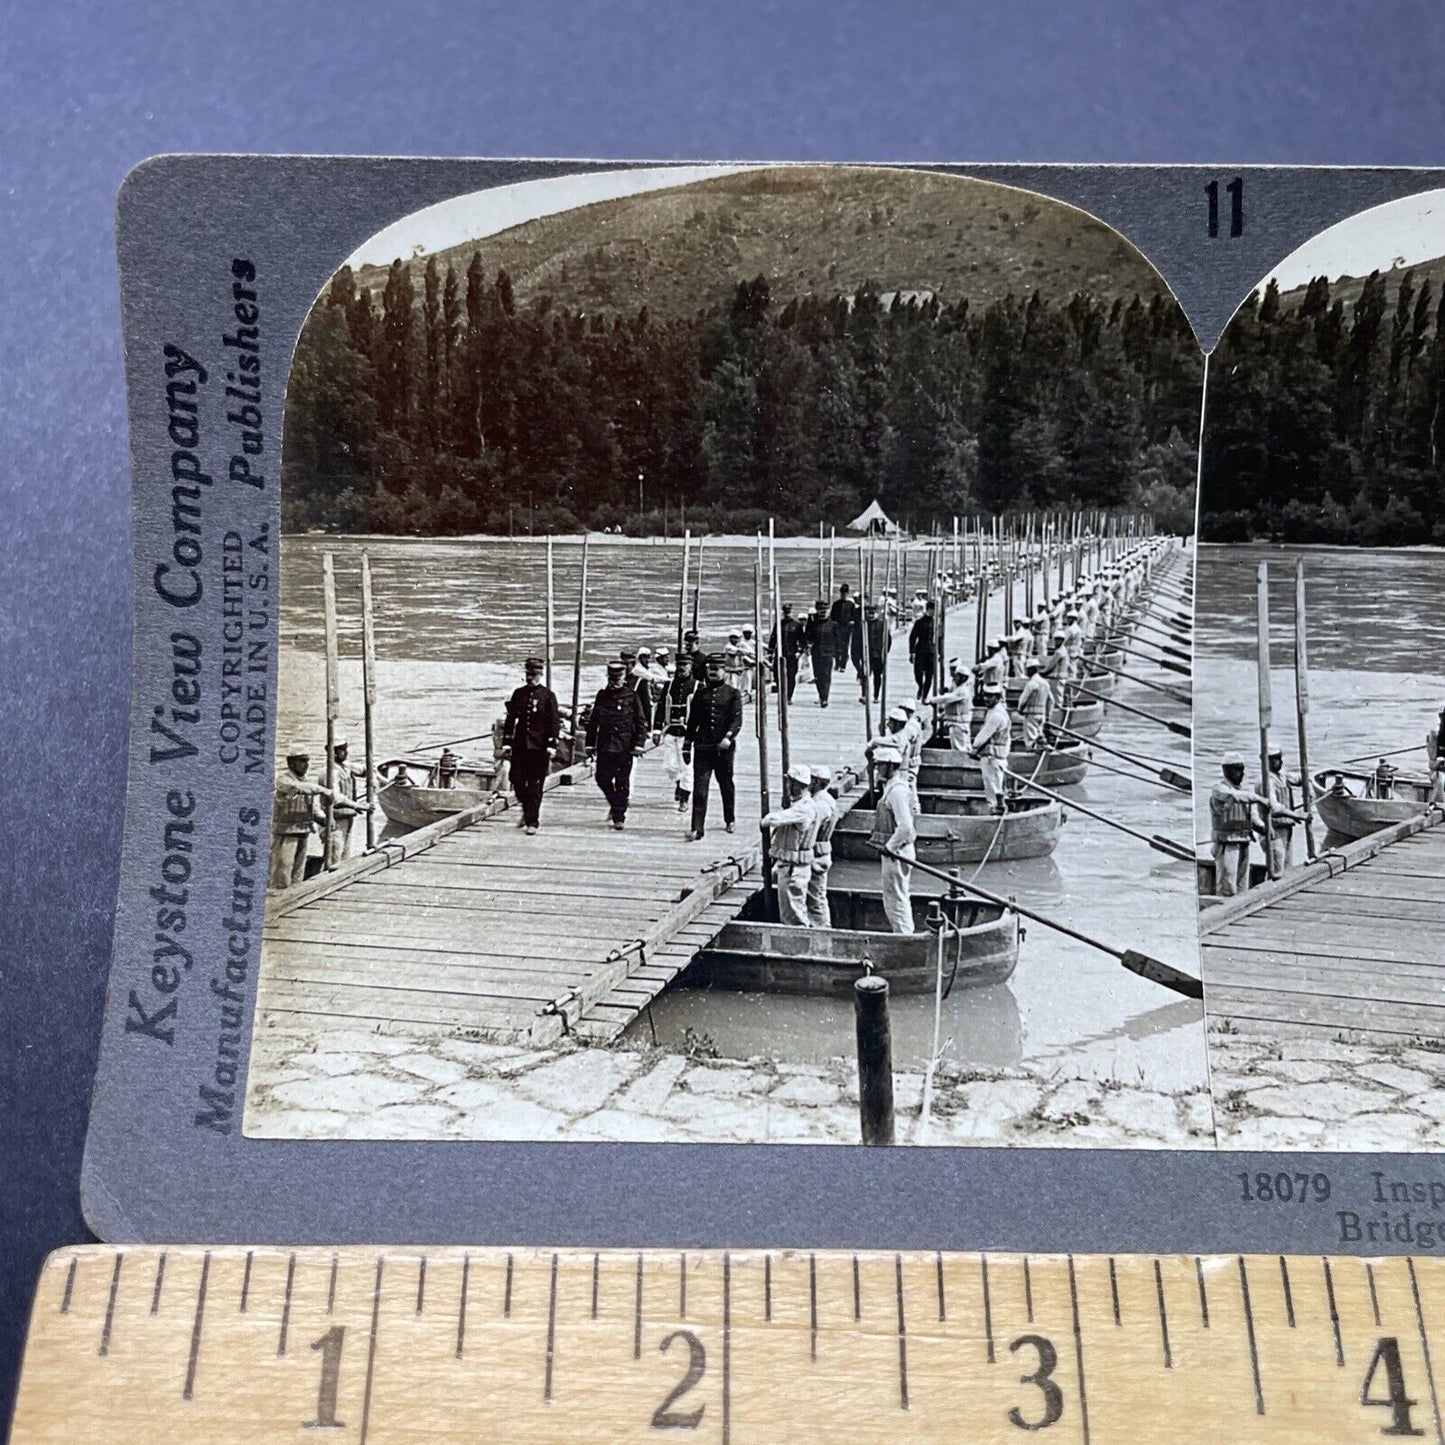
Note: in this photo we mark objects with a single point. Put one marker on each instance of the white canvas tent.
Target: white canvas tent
(873, 520)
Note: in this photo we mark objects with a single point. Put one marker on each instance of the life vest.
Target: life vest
(1000, 742)
(1229, 815)
(292, 812)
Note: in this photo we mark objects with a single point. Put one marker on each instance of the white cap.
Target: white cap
(733, 632)
(339, 740)
(898, 715)
(907, 708)
(644, 652)
(1232, 760)
(800, 773)
(887, 755)
(820, 774)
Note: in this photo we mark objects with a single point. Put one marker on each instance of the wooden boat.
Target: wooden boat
(411, 798)
(755, 953)
(949, 771)
(959, 828)
(1356, 813)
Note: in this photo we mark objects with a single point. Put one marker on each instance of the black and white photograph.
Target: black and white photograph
(735, 634)
(1320, 657)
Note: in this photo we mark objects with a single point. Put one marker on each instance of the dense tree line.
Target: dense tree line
(1326, 423)
(444, 408)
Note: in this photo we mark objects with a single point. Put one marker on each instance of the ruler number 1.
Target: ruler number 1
(1235, 190)
(330, 1346)
(1397, 1402)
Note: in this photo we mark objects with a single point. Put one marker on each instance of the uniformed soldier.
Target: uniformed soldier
(1014, 645)
(877, 649)
(733, 659)
(1035, 705)
(676, 702)
(1073, 635)
(794, 827)
(819, 913)
(895, 828)
(617, 731)
(823, 644)
(529, 741)
(1279, 787)
(1435, 753)
(294, 814)
(714, 721)
(792, 633)
(748, 656)
(921, 650)
(955, 707)
(992, 669)
(844, 616)
(1231, 824)
(345, 780)
(992, 746)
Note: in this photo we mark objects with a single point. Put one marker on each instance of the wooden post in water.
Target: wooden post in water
(875, 1059)
(368, 696)
(760, 716)
(682, 591)
(574, 751)
(1266, 710)
(333, 697)
(547, 644)
(1302, 703)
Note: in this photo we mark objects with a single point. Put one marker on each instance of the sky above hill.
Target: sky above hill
(1398, 234)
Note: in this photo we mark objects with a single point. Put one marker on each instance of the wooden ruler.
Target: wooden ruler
(526, 1346)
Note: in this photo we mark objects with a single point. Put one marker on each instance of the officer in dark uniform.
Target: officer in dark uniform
(710, 744)
(793, 634)
(920, 651)
(824, 644)
(616, 733)
(529, 741)
(844, 615)
(877, 648)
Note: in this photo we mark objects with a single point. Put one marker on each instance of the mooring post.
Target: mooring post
(875, 1059)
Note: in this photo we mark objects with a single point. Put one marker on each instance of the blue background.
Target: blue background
(88, 90)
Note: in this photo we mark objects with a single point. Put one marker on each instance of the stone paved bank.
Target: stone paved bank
(414, 1084)
(1304, 1092)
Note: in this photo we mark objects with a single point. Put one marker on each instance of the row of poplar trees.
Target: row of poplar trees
(1326, 422)
(447, 408)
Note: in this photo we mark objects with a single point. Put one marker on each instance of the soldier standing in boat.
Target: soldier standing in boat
(993, 745)
(675, 703)
(895, 828)
(792, 634)
(921, 649)
(819, 781)
(794, 827)
(294, 816)
(714, 721)
(954, 708)
(822, 638)
(1279, 787)
(617, 731)
(1231, 826)
(1035, 705)
(346, 808)
(529, 741)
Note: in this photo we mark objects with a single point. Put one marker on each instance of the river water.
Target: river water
(1376, 635)
(454, 621)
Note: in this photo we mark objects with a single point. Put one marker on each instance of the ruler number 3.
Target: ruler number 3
(1397, 1402)
(1048, 1358)
(665, 1417)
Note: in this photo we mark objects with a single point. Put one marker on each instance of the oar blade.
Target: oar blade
(1177, 780)
(1164, 974)
(1162, 844)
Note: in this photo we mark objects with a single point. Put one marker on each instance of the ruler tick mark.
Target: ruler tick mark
(1163, 1316)
(110, 1305)
(551, 1334)
(1334, 1314)
(857, 1292)
(331, 1288)
(371, 1351)
(813, 1307)
(767, 1289)
(421, 1284)
(1028, 1291)
(1374, 1297)
(727, 1344)
(462, 1304)
(196, 1325)
(1288, 1292)
(1079, 1353)
(1425, 1346)
(682, 1286)
(987, 1309)
(938, 1267)
(1203, 1296)
(286, 1305)
(1114, 1289)
(507, 1296)
(902, 1336)
(596, 1271)
(1249, 1330)
(160, 1279)
(69, 1286)
(637, 1314)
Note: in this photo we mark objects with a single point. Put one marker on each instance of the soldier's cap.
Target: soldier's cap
(992, 689)
(787, 607)
(627, 653)
(715, 659)
(663, 652)
(887, 755)
(1032, 665)
(907, 708)
(822, 602)
(820, 774)
(733, 632)
(747, 628)
(298, 751)
(340, 740)
(898, 715)
(644, 652)
(532, 664)
(954, 665)
(617, 667)
(1276, 753)
(801, 774)
(1232, 760)
(689, 636)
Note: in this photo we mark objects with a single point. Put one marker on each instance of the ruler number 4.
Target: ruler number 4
(1235, 190)
(1397, 1402)
(665, 1417)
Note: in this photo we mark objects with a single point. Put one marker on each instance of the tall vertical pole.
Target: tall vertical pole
(866, 682)
(820, 559)
(760, 717)
(682, 591)
(1302, 703)
(547, 648)
(1266, 709)
(832, 550)
(697, 586)
(368, 695)
(575, 752)
(333, 695)
(784, 749)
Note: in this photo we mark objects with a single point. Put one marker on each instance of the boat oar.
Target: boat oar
(1133, 777)
(1156, 841)
(1169, 692)
(1141, 963)
(1166, 774)
(1371, 757)
(1180, 729)
(1140, 624)
(1168, 664)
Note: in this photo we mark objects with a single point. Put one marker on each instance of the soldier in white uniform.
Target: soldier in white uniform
(1279, 787)
(992, 746)
(895, 828)
(346, 808)
(955, 707)
(795, 830)
(819, 914)
(1035, 705)
(294, 815)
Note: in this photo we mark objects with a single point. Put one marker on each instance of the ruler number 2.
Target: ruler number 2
(1043, 1378)
(1397, 1402)
(1235, 190)
(665, 1417)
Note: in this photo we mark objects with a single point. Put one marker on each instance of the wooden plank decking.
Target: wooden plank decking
(1353, 944)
